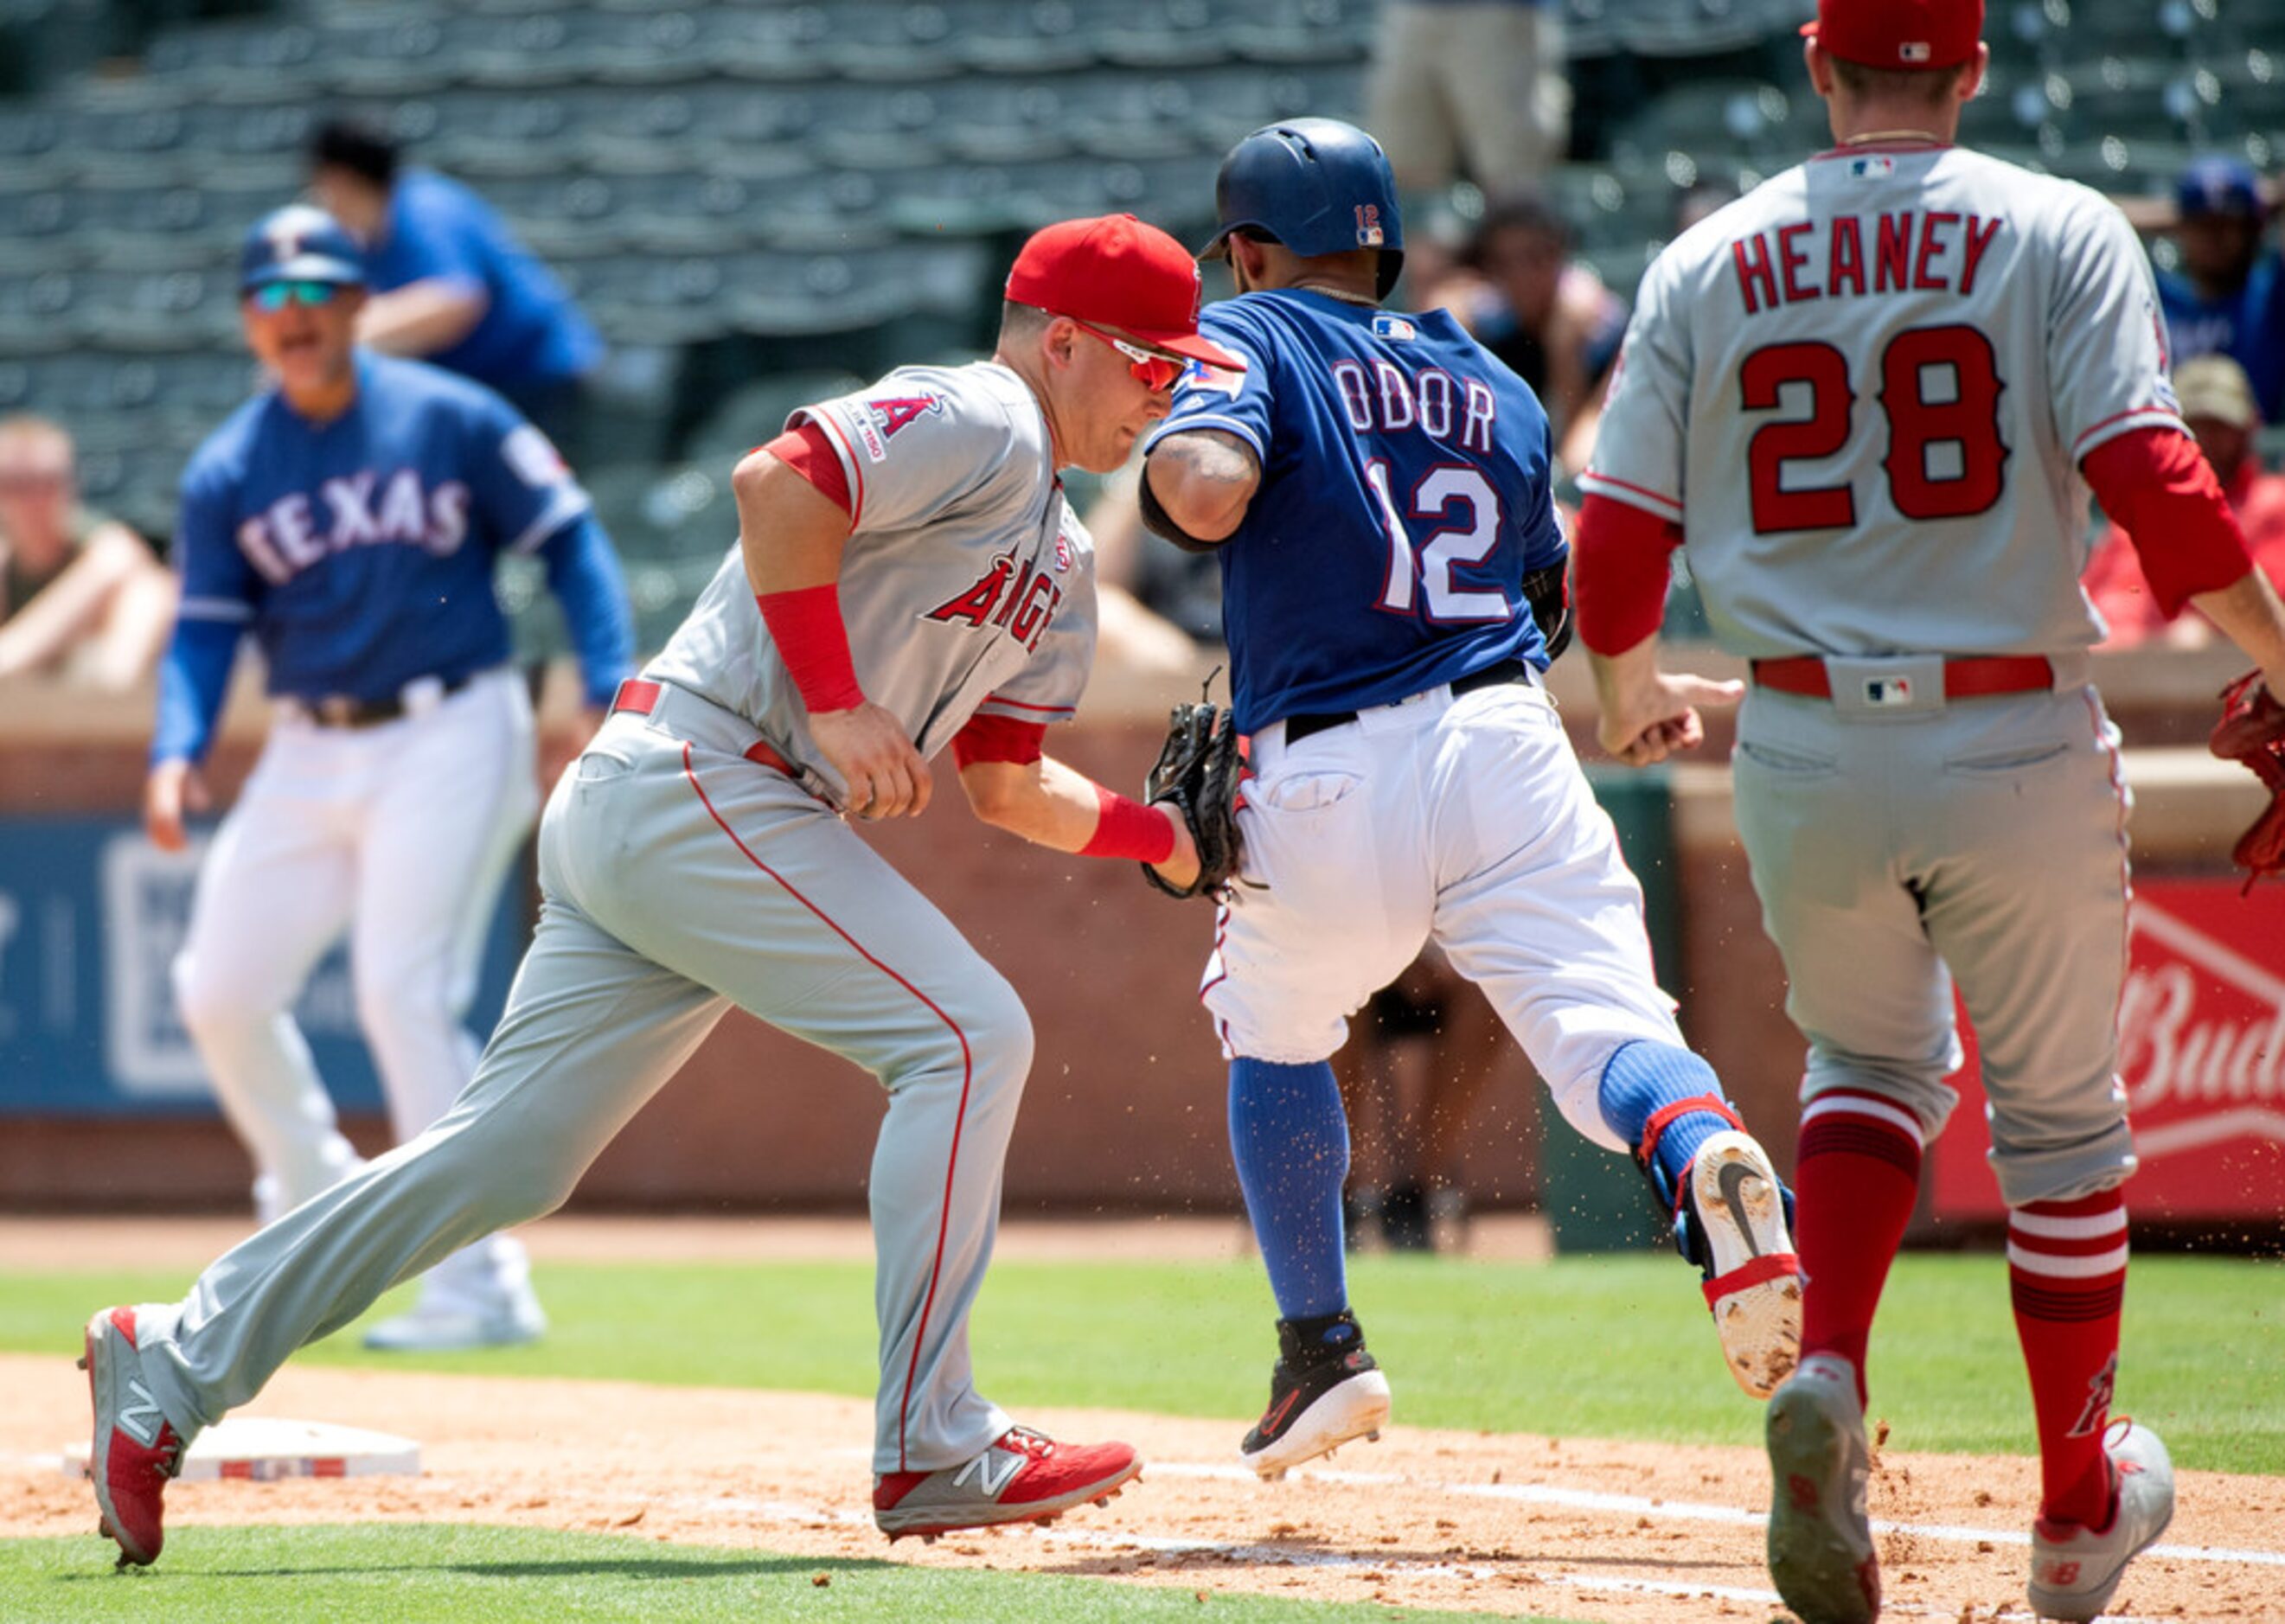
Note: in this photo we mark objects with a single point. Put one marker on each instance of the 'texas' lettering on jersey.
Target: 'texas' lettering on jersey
(356, 510)
(1021, 605)
(1913, 249)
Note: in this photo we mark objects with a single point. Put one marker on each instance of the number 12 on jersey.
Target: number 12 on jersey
(1419, 581)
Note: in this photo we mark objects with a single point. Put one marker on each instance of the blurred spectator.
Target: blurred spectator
(1478, 83)
(1707, 197)
(1548, 318)
(80, 595)
(450, 285)
(1157, 605)
(1404, 1186)
(2228, 298)
(2218, 404)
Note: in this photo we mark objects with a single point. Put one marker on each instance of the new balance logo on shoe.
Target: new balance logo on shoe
(980, 1468)
(142, 1419)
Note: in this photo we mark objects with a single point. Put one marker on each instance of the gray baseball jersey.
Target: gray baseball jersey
(678, 878)
(967, 585)
(1863, 389)
(1869, 383)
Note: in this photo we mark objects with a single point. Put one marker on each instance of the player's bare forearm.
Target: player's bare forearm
(2248, 611)
(1054, 805)
(790, 533)
(421, 318)
(1646, 714)
(1204, 481)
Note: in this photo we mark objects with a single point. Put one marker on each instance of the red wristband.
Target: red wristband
(1128, 828)
(814, 642)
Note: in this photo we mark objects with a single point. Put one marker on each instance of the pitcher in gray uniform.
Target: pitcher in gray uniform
(907, 576)
(1871, 397)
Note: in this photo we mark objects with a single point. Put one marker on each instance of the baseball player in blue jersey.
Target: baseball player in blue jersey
(349, 518)
(1375, 487)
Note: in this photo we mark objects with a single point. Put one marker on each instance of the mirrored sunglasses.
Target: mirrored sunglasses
(277, 295)
(1153, 370)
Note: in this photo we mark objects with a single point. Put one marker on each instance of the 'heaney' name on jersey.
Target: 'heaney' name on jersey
(1913, 249)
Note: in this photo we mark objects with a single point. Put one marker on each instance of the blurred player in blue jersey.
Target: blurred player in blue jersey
(351, 518)
(450, 284)
(1375, 487)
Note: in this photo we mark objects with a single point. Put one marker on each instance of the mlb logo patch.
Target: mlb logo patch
(1914, 53)
(1394, 328)
(1872, 166)
(1888, 690)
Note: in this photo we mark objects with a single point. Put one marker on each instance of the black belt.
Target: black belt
(1300, 727)
(347, 710)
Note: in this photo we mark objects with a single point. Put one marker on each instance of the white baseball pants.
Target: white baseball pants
(401, 834)
(1468, 822)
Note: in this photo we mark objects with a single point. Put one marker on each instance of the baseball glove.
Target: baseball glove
(1200, 768)
(2252, 731)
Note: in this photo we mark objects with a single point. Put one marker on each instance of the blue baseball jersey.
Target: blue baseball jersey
(1405, 493)
(360, 552)
(531, 333)
(2248, 327)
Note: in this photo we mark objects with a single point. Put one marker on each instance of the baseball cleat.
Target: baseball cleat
(2074, 1569)
(136, 1449)
(1821, 1553)
(1320, 1397)
(1024, 1477)
(1733, 1225)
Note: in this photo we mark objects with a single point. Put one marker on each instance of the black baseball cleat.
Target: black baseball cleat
(1324, 1390)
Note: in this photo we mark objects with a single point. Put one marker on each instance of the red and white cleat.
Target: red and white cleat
(136, 1448)
(1023, 1476)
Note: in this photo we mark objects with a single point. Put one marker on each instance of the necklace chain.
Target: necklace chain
(1871, 136)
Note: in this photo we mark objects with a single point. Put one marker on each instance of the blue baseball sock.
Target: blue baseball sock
(1290, 1139)
(1642, 1077)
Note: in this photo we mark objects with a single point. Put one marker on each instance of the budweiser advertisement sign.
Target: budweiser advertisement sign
(2201, 1053)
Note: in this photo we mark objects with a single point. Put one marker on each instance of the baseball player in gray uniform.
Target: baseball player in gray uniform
(907, 576)
(1871, 397)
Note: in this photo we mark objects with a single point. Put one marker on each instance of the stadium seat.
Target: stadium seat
(755, 412)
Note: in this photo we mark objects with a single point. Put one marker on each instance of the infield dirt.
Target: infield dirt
(1501, 1524)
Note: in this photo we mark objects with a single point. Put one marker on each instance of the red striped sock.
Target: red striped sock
(1855, 1177)
(2067, 1273)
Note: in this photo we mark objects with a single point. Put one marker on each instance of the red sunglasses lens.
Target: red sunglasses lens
(1157, 374)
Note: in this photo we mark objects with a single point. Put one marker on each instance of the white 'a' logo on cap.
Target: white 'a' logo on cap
(1913, 52)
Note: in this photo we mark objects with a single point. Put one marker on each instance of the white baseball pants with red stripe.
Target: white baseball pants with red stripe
(679, 879)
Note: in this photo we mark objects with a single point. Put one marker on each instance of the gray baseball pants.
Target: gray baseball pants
(1981, 842)
(677, 878)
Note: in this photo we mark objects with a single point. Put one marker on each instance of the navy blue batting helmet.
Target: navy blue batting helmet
(298, 243)
(1316, 185)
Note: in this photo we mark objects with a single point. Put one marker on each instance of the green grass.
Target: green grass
(1615, 1347)
(411, 1574)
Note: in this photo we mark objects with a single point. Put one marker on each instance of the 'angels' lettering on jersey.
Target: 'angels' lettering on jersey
(1022, 610)
(1911, 250)
(361, 509)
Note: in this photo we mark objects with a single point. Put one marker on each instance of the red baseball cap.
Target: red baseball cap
(1116, 271)
(1901, 34)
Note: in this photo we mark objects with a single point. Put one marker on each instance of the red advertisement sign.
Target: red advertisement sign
(2201, 1053)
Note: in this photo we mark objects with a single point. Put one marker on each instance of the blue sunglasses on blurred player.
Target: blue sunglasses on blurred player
(277, 295)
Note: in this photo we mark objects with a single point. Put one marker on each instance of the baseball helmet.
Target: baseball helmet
(1316, 185)
(299, 243)
(2218, 184)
